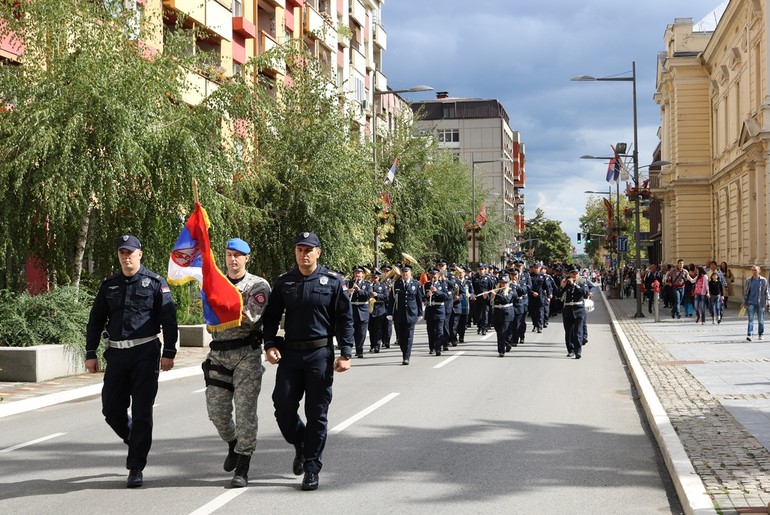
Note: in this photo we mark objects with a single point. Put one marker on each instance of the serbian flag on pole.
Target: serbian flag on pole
(391, 173)
(192, 260)
(481, 218)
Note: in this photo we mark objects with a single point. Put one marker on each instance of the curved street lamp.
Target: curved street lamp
(638, 264)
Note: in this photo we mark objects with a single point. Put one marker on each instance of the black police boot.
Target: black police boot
(241, 476)
(135, 478)
(296, 465)
(232, 458)
(310, 481)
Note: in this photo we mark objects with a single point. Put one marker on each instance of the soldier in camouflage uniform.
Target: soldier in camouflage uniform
(233, 369)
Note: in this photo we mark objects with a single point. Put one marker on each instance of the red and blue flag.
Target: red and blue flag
(192, 260)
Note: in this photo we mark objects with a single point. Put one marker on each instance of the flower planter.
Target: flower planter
(194, 336)
(38, 363)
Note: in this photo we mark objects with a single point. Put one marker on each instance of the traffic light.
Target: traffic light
(588, 237)
(578, 238)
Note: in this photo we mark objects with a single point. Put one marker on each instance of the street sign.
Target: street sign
(623, 244)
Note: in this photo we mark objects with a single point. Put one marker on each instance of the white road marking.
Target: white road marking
(218, 502)
(450, 359)
(361, 414)
(200, 390)
(487, 336)
(31, 442)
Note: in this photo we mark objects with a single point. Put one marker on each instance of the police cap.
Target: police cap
(129, 242)
(307, 239)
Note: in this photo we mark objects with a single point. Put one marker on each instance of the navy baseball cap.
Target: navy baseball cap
(308, 239)
(238, 245)
(129, 242)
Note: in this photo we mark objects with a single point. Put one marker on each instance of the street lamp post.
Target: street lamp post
(473, 197)
(635, 155)
(617, 219)
(375, 114)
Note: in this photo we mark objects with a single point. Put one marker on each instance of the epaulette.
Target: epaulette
(331, 274)
(284, 273)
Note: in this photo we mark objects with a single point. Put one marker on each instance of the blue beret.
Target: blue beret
(238, 245)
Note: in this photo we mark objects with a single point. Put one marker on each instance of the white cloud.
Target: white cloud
(524, 54)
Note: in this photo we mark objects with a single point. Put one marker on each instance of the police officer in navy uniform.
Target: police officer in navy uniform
(130, 308)
(360, 291)
(573, 293)
(448, 278)
(481, 284)
(435, 297)
(461, 306)
(377, 317)
(522, 306)
(550, 284)
(388, 330)
(501, 297)
(407, 309)
(538, 295)
(317, 309)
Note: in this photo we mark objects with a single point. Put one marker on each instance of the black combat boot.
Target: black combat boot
(241, 476)
(232, 458)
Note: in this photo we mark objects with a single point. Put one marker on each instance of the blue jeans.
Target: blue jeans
(678, 296)
(700, 306)
(715, 306)
(759, 311)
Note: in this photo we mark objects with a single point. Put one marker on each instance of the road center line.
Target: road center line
(219, 501)
(31, 442)
(361, 414)
(450, 359)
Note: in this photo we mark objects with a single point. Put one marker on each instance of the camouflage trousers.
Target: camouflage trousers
(246, 380)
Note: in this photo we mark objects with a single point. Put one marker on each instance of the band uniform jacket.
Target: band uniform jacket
(408, 298)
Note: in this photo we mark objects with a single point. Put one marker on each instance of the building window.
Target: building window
(448, 135)
(449, 111)
(237, 8)
(236, 70)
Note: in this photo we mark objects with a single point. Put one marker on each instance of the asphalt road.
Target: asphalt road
(467, 432)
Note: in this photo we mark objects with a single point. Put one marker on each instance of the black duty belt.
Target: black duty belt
(233, 344)
(307, 344)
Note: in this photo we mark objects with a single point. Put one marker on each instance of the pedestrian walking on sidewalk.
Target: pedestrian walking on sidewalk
(755, 298)
(677, 278)
(700, 295)
(233, 368)
(716, 294)
(318, 309)
(129, 311)
(730, 278)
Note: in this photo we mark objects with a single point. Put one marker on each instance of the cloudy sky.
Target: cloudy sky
(524, 53)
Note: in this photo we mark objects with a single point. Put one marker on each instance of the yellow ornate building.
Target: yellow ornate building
(712, 91)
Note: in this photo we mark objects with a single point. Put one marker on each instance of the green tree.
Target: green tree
(96, 140)
(301, 165)
(551, 244)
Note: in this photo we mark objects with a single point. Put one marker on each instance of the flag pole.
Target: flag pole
(195, 189)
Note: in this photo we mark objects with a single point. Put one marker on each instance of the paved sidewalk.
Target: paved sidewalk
(704, 388)
(12, 392)
(715, 389)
